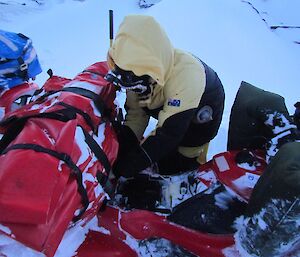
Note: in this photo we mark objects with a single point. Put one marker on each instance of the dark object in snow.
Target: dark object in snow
(147, 3)
(140, 192)
(245, 156)
(203, 213)
(296, 116)
(272, 227)
(162, 247)
(272, 232)
(280, 180)
(127, 142)
(247, 127)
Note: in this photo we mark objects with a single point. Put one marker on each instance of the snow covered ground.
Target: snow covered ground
(233, 37)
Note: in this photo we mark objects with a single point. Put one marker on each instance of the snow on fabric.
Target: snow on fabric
(161, 247)
(75, 236)
(248, 180)
(12, 248)
(273, 231)
(176, 189)
(68, 139)
(281, 128)
(223, 199)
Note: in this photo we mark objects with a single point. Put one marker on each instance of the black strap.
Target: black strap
(94, 72)
(23, 70)
(16, 124)
(76, 172)
(100, 155)
(64, 115)
(81, 91)
(98, 102)
(85, 116)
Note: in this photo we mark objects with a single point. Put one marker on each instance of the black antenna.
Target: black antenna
(111, 27)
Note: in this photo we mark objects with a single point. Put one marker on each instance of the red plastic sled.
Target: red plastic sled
(124, 227)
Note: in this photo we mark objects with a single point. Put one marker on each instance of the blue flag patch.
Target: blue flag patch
(174, 102)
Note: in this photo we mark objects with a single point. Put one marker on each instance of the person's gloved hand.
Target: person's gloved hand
(129, 164)
(297, 115)
(126, 138)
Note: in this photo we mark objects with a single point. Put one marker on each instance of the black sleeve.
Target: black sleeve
(168, 136)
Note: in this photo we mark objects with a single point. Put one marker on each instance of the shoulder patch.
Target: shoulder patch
(174, 102)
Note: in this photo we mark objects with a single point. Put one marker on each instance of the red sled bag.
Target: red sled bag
(16, 97)
(56, 154)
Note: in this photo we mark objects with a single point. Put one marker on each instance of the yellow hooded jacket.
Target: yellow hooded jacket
(142, 46)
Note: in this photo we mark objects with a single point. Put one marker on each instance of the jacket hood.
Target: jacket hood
(143, 47)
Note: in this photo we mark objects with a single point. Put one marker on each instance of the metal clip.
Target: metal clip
(23, 66)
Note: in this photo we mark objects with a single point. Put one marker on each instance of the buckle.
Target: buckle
(23, 66)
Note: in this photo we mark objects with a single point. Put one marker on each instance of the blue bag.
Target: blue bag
(18, 59)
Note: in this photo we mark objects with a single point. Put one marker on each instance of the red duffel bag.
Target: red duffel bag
(56, 154)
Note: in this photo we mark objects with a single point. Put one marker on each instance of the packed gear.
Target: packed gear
(68, 137)
(251, 109)
(16, 97)
(18, 64)
(271, 223)
(18, 60)
(55, 157)
(184, 94)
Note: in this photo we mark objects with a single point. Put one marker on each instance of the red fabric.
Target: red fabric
(38, 194)
(235, 175)
(143, 225)
(8, 97)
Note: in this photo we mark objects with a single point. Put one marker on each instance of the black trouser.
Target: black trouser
(175, 162)
(197, 134)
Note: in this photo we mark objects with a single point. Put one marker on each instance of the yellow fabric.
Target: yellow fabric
(198, 151)
(142, 46)
(136, 119)
(110, 62)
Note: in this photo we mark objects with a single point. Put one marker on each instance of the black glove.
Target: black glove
(126, 138)
(297, 115)
(130, 164)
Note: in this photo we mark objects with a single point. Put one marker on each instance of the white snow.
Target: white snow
(85, 150)
(231, 252)
(277, 129)
(246, 181)
(83, 84)
(75, 236)
(222, 163)
(51, 139)
(223, 199)
(2, 112)
(246, 166)
(59, 168)
(95, 109)
(53, 99)
(5, 229)
(177, 188)
(285, 220)
(11, 248)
